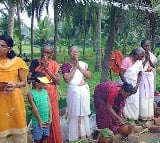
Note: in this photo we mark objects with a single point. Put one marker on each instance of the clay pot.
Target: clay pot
(125, 129)
(101, 139)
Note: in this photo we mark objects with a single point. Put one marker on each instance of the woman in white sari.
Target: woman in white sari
(147, 84)
(78, 95)
(130, 72)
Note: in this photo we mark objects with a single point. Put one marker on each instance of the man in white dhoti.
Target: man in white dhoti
(147, 83)
(130, 72)
(75, 74)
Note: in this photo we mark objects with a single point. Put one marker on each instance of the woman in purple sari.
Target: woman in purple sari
(109, 101)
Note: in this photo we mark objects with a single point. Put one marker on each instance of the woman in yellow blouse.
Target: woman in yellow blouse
(12, 108)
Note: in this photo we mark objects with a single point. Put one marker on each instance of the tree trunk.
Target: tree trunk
(56, 21)
(10, 28)
(153, 26)
(32, 25)
(84, 42)
(115, 20)
(98, 65)
(19, 26)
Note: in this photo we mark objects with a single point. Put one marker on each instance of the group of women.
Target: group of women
(113, 101)
(13, 76)
(112, 104)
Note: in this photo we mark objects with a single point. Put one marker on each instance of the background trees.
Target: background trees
(100, 25)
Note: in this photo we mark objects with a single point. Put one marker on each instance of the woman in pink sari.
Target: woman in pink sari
(130, 72)
(50, 68)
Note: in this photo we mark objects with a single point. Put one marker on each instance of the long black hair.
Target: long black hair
(9, 41)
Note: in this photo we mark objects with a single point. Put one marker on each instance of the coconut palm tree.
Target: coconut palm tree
(10, 6)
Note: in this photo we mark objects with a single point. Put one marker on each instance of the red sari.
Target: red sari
(108, 92)
(55, 130)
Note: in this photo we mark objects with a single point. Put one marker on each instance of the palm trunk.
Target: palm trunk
(98, 65)
(19, 26)
(32, 32)
(84, 42)
(56, 28)
(10, 28)
(115, 20)
(153, 26)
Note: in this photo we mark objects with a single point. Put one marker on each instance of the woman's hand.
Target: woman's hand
(10, 86)
(147, 55)
(119, 120)
(44, 62)
(135, 89)
(123, 114)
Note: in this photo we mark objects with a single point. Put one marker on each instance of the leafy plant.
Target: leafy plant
(129, 120)
(106, 132)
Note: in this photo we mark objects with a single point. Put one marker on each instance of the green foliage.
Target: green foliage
(158, 80)
(79, 141)
(129, 120)
(106, 132)
(44, 33)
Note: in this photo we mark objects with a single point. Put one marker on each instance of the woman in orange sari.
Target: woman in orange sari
(50, 68)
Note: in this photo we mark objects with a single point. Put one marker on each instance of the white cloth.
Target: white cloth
(146, 87)
(131, 108)
(78, 102)
(77, 129)
(64, 127)
(146, 108)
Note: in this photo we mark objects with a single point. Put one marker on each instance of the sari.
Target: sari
(147, 86)
(78, 102)
(131, 108)
(12, 113)
(107, 92)
(55, 128)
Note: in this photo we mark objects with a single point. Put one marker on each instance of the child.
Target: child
(39, 101)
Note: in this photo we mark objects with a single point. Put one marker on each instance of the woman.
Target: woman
(147, 84)
(75, 74)
(130, 72)
(12, 77)
(109, 101)
(50, 68)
